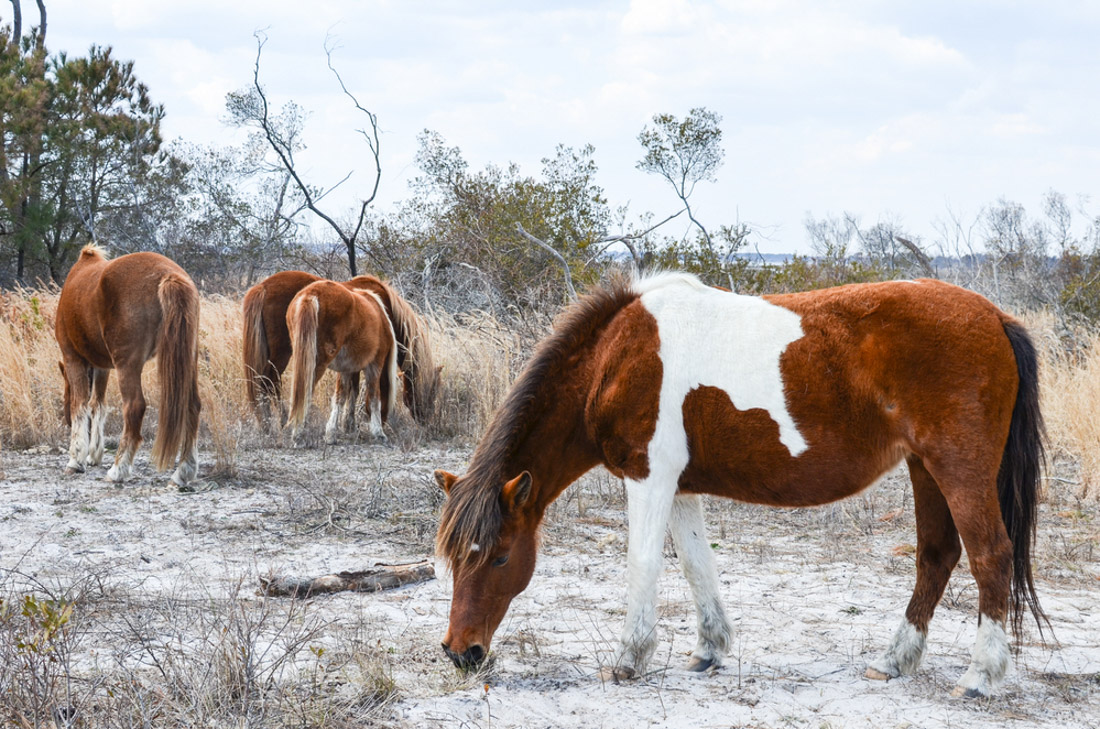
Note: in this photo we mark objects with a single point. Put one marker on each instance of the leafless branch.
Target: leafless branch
(560, 258)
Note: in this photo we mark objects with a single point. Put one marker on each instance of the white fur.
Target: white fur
(120, 471)
(697, 561)
(79, 436)
(188, 467)
(333, 418)
(711, 337)
(95, 431)
(988, 663)
(708, 337)
(904, 653)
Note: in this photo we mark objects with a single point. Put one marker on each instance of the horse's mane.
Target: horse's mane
(472, 513)
(94, 250)
(414, 350)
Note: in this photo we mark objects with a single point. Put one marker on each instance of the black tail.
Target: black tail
(1018, 480)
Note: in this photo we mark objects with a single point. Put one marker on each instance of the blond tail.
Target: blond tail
(177, 368)
(302, 323)
(260, 376)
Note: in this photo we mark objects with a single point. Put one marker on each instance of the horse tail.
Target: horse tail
(391, 372)
(414, 357)
(177, 368)
(257, 353)
(302, 321)
(1018, 481)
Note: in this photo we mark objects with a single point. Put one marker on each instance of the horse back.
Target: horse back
(804, 398)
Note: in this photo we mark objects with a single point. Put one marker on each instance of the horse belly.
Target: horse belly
(737, 454)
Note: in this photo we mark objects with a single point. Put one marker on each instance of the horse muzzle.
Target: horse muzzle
(469, 660)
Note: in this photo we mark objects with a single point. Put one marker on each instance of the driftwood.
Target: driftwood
(383, 577)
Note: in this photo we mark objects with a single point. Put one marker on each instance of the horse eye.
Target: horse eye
(500, 561)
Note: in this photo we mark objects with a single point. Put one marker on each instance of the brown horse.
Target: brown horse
(788, 400)
(335, 327)
(118, 315)
(267, 347)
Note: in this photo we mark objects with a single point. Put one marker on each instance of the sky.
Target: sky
(908, 112)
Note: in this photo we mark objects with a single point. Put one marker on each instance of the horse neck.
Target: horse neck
(553, 444)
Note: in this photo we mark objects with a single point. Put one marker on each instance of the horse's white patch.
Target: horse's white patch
(475, 547)
(988, 662)
(903, 654)
(714, 338)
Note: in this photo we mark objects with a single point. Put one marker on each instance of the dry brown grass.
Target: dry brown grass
(1071, 397)
(480, 356)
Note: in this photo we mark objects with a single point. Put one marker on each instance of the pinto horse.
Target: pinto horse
(267, 347)
(787, 400)
(119, 314)
(346, 330)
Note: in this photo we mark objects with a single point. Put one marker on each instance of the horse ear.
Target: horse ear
(516, 492)
(445, 480)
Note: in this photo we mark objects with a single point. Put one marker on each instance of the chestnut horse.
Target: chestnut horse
(267, 341)
(118, 315)
(346, 330)
(787, 400)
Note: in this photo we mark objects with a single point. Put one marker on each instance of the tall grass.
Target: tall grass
(480, 356)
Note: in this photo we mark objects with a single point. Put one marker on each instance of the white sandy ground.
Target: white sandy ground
(814, 594)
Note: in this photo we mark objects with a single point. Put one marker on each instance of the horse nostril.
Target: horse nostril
(476, 654)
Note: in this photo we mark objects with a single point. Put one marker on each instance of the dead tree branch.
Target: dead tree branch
(383, 577)
(560, 258)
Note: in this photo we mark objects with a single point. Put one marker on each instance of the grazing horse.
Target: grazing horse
(119, 314)
(787, 400)
(267, 347)
(335, 327)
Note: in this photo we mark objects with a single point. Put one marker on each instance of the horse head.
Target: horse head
(487, 569)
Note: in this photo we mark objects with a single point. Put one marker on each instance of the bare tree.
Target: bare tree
(284, 147)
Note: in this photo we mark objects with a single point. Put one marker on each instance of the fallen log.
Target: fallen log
(383, 577)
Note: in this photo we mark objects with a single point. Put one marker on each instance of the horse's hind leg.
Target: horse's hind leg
(98, 415)
(133, 412)
(351, 402)
(969, 486)
(978, 516)
(373, 400)
(339, 396)
(697, 560)
(938, 552)
(77, 372)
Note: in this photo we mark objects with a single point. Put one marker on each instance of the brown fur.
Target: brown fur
(332, 326)
(177, 368)
(267, 344)
(119, 314)
(927, 372)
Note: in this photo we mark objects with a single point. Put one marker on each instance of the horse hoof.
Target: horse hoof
(876, 675)
(699, 665)
(962, 692)
(71, 471)
(617, 674)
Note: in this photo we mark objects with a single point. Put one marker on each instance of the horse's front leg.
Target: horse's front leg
(80, 435)
(697, 560)
(339, 399)
(98, 415)
(649, 503)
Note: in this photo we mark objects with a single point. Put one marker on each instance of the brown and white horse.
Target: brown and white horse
(267, 346)
(346, 330)
(788, 400)
(118, 315)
